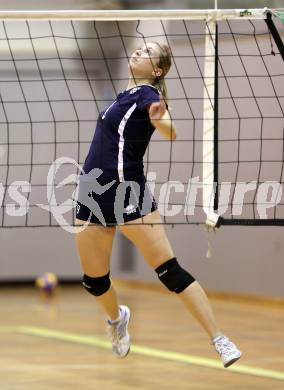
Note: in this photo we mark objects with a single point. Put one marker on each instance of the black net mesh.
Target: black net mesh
(251, 123)
(55, 78)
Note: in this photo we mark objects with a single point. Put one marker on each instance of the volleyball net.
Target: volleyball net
(226, 98)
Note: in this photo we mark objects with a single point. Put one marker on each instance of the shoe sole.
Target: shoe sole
(124, 356)
(228, 364)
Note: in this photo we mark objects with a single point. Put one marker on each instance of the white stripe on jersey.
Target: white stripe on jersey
(103, 117)
(121, 141)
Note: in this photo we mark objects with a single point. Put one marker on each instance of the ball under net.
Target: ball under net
(226, 98)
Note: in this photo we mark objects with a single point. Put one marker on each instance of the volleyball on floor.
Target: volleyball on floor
(47, 283)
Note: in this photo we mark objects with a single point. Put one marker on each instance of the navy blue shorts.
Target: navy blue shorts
(112, 202)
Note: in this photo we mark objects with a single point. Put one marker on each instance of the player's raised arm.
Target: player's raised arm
(161, 119)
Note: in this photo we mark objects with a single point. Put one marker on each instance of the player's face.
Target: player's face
(144, 60)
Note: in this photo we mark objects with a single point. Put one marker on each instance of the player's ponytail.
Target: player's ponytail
(164, 63)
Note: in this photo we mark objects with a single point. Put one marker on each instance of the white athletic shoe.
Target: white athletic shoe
(118, 332)
(227, 350)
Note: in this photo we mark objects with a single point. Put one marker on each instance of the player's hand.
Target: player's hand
(157, 109)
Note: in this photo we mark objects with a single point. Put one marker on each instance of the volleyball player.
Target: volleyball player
(122, 135)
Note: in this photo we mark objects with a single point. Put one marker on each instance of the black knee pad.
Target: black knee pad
(173, 276)
(96, 286)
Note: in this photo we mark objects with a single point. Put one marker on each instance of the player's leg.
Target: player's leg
(153, 244)
(94, 245)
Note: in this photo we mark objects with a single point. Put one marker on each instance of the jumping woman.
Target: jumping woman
(124, 201)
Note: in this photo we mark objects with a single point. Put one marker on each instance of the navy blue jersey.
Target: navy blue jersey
(122, 135)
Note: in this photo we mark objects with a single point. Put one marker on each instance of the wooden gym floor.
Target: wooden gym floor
(62, 344)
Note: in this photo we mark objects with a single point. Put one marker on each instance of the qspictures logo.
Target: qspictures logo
(90, 192)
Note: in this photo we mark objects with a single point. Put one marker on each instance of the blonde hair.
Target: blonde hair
(164, 63)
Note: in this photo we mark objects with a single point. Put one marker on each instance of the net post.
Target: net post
(210, 119)
(216, 116)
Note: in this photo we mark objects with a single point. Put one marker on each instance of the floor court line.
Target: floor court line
(150, 352)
